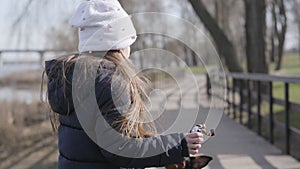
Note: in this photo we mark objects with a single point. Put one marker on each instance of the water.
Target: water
(10, 94)
(15, 68)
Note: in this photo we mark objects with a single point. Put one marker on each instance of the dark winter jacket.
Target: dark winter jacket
(76, 149)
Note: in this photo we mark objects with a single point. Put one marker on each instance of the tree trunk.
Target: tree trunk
(296, 13)
(272, 52)
(299, 40)
(194, 58)
(217, 11)
(224, 46)
(255, 35)
(273, 38)
(280, 34)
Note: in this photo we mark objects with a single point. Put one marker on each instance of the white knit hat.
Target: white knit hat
(103, 25)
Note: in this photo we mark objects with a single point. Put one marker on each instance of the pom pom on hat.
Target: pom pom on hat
(103, 25)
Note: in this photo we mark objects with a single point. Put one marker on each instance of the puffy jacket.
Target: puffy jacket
(76, 149)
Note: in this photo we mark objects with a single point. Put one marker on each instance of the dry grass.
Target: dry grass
(27, 138)
(15, 117)
(9, 136)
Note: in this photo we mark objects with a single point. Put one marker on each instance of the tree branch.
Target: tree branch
(225, 47)
(22, 15)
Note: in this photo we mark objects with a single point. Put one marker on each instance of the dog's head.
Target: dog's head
(197, 162)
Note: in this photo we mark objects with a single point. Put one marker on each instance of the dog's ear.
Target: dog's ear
(177, 166)
(200, 161)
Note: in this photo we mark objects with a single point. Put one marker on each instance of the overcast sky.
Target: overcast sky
(40, 21)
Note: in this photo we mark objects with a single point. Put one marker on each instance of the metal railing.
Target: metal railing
(245, 91)
(40, 52)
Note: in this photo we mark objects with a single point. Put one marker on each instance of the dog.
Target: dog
(195, 162)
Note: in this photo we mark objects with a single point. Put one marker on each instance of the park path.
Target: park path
(233, 147)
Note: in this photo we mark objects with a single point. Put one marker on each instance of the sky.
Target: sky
(40, 22)
(44, 19)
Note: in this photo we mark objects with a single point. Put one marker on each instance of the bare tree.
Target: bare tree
(224, 45)
(280, 28)
(222, 15)
(273, 52)
(230, 17)
(63, 39)
(32, 17)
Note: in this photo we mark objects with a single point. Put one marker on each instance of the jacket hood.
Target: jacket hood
(59, 88)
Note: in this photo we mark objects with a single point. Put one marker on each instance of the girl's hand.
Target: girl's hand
(194, 141)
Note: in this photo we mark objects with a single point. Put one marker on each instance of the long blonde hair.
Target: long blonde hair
(138, 121)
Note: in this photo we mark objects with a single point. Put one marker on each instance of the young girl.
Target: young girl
(101, 31)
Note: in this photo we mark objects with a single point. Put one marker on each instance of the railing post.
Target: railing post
(233, 98)
(271, 122)
(258, 108)
(42, 59)
(287, 119)
(249, 104)
(241, 101)
(228, 94)
(208, 86)
(1, 61)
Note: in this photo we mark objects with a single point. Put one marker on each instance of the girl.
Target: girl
(102, 28)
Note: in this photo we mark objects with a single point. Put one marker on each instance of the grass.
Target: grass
(23, 137)
(294, 119)
(290, 66)
(197, 70)
(279, 114)
(15, 115)
(294, 91)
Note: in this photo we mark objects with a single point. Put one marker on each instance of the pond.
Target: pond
(9, 93)
(15, 68)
